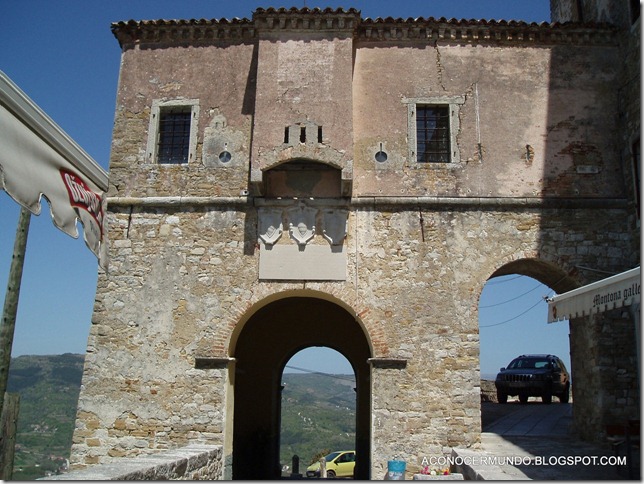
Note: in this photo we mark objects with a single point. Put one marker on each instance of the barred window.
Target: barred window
(432, 125)
(432, 134)
(174, 135)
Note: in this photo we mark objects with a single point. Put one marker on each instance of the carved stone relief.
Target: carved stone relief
(334, 225)
(302, 223)
(270, 225)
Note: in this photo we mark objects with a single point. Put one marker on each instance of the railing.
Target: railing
(191, 463)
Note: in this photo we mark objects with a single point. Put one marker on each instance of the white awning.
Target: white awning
(37, 158)
(613, 292)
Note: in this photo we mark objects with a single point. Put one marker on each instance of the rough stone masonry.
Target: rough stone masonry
(302, 214)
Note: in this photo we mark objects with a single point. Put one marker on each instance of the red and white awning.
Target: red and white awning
(37, 158)
(613, 292)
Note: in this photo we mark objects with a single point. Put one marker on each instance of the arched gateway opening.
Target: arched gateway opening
(264, 345)
(513, 322)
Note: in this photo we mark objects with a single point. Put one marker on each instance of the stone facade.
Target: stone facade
(604, 349)
(311, 112)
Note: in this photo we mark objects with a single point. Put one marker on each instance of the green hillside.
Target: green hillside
(318, 416)
(48, 387)
(318, 413)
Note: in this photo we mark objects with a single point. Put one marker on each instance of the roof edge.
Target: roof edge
(391, 29)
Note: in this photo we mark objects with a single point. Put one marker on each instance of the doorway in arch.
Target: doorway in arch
(318, 411)
(267, 341)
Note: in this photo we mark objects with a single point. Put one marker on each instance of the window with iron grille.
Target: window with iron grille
(174, 135)
(432, 125)
(432, 134)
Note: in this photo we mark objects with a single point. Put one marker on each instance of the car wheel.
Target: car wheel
(547, 398)
(565, 396)
(523, 398)
(501, 397)
(330, 475)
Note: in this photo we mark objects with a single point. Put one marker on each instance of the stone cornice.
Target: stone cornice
(349, 21)
(478, 203)
(182, 31)
(306, 19)
(483, 31)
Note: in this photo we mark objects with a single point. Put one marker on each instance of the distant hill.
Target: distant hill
(48, 387)
(318, 413)
(318, 416)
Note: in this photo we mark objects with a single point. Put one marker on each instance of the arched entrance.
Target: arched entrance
(266, 342)
(513, 321)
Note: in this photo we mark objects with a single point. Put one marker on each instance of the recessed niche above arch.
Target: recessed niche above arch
(303, 178)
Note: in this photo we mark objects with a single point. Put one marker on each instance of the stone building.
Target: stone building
(311, 177)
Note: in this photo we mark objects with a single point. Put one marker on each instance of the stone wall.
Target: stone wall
(159, 310)
(603, 351)
(192, 463)
(588, 11)
(537, 189)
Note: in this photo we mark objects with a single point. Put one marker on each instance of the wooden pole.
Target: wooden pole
(11, 299)
(9, 430)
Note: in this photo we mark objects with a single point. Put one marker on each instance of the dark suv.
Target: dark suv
(534, 376)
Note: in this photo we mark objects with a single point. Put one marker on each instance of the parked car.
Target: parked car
(533, 376)
(338, 464)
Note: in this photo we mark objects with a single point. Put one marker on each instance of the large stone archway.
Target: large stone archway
(264, 345)
(526, 319)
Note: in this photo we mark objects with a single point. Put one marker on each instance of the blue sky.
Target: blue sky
(64, 56)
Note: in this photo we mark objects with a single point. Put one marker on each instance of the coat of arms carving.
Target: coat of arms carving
(270, 225)
(302, 223)
(334, 225)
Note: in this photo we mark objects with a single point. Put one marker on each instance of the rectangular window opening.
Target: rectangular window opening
(303, 135)
(319, 134)
(174, 135)
(286, 135)
(433, 134)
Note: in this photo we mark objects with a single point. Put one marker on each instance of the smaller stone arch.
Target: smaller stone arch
(561, 279)
(549, 274)
(298, 349)
(303, 177)
(303, 141)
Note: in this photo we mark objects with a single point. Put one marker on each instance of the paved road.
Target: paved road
(535, 442)
(534, 419)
